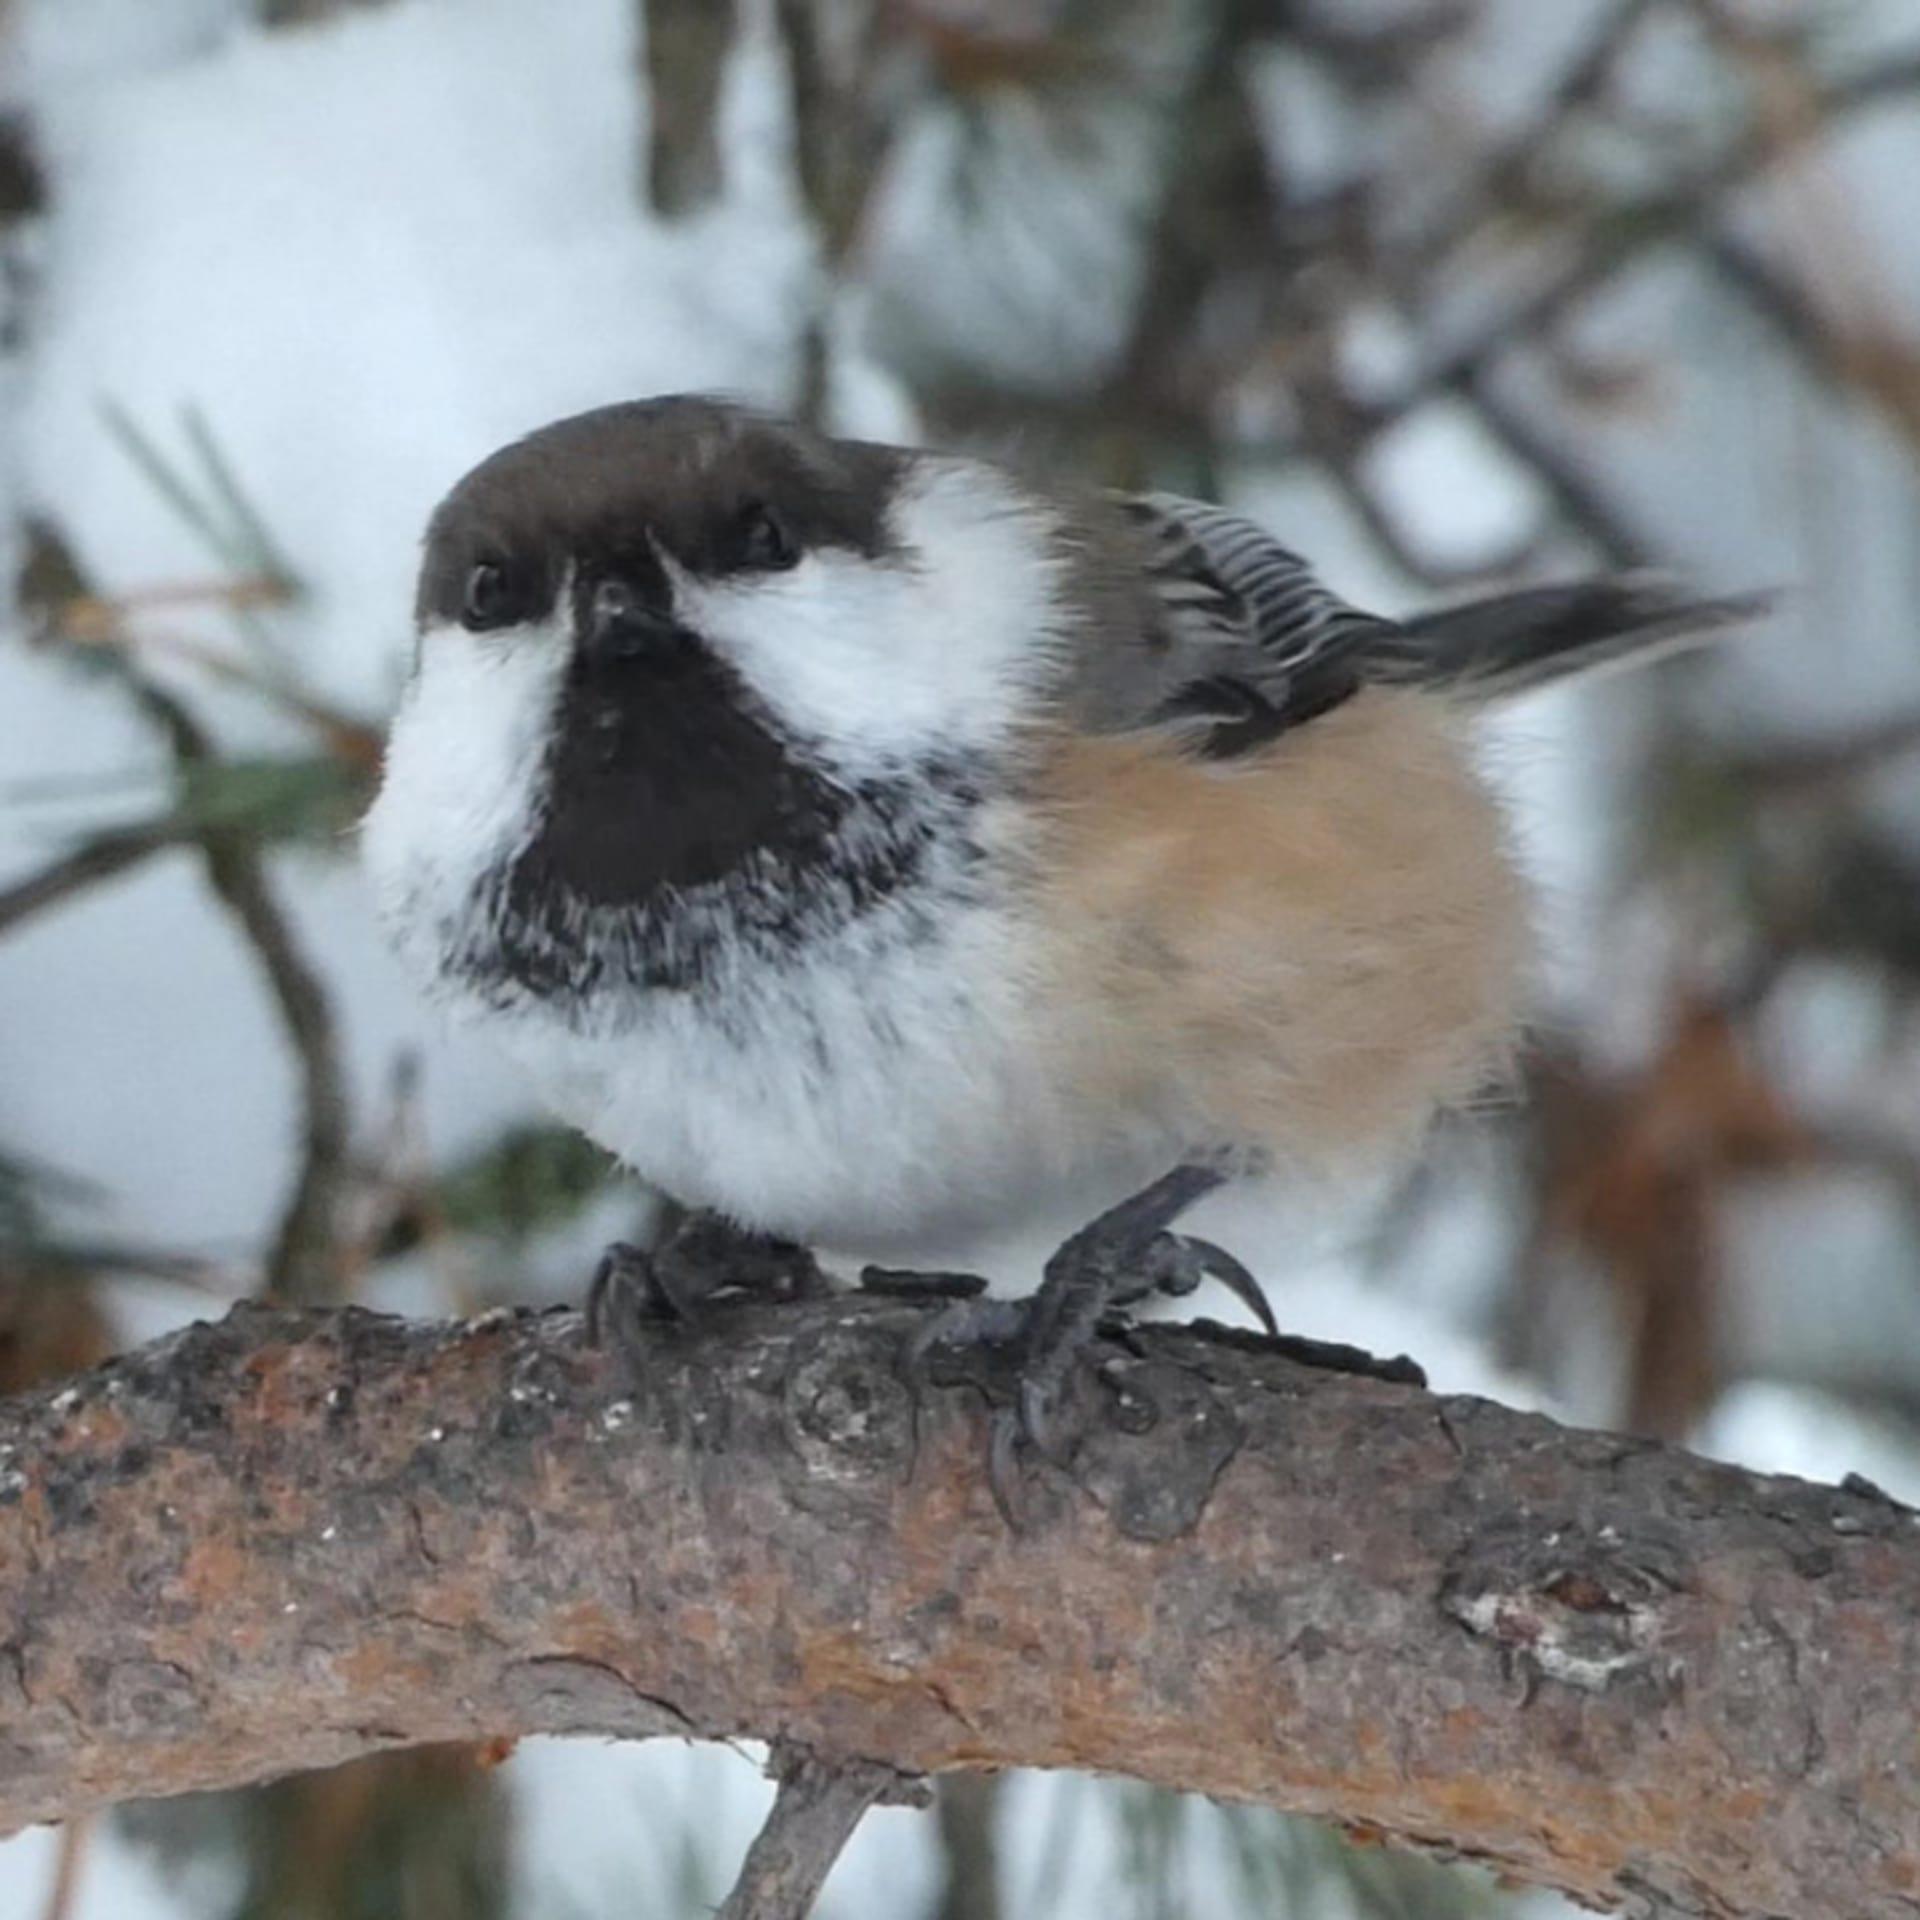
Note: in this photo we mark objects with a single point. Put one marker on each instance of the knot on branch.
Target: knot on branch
(849, 1421)
(1568, 1605)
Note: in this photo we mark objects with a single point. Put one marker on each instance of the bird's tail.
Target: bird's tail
(1510, 643)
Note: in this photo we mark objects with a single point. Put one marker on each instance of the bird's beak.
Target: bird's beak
(621, 624)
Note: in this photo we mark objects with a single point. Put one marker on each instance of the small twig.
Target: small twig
(966, 1805)
(683, 73)
(215, 510)
(818, 1806)
(397, 1186)
(103, 858)
(68, 1861)
(97, 623)
(225, 492)
(301, 1265)
(842, 130)
(242, 593)
(1874, 359)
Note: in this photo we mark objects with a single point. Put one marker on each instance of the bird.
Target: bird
(870, 844)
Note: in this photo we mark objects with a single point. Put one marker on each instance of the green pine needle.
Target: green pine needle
(531, 1178)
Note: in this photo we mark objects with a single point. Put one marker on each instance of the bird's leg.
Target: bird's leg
(700, 1256)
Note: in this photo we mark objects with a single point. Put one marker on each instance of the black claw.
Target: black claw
(1035, 1401)
(1238, 1281)
(1003, 1436)
(913, 1356)
(636, 1292)
(969, 1322)
(980, 1336)
(1123, 1331)
(670, 1297)
(597, 1290)
(622, 1297)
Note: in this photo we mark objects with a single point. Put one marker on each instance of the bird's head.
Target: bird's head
(678, 644)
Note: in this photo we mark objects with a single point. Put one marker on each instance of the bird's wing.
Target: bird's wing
(1245, 642)
(1229, 638)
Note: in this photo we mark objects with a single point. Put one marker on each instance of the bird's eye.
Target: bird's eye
(492, 597)
(761, 542)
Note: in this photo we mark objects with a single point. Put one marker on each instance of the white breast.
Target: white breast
(875, 1094)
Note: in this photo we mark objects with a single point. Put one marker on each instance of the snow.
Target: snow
(1455, 501)
(1313, 131)
(1038, 268)
(1853, 1229)
(1774, 1427)
(117, 1881)
(81, 42)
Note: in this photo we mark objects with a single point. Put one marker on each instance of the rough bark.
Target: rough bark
(1604, 1665)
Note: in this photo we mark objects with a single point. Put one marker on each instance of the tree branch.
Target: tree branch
(302, 1264)
(814, 1814)
(105, 857)
(1606, 1666)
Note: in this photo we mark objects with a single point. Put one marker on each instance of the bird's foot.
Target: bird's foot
(701, 1259)
(707, 1257)
(1021, 1353)
(1126, 1255)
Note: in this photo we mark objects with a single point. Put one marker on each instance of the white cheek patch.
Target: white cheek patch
(941, 647)
(463, 762)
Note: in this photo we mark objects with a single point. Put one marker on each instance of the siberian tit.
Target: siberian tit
(867, 844)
